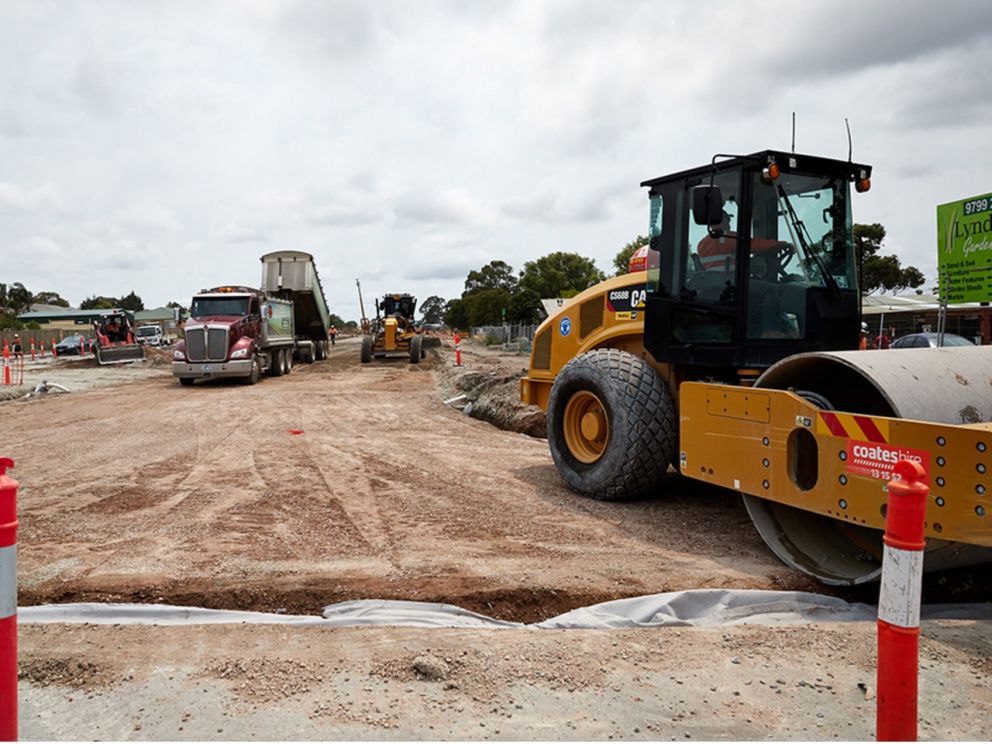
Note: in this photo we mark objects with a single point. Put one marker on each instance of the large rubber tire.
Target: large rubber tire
(276, 364)
(186, 381)
(366, 349)
(416, 349)
(287, 364)
(256, 371)
(632, 427)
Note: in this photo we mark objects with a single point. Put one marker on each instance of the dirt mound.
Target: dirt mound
(489, 380)
(158, 357)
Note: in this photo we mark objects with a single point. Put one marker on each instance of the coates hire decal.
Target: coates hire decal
(875, 460)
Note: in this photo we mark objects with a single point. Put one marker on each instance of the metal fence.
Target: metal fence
(511, 336)
(43, 336)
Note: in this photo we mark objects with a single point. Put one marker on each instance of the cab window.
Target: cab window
(711, 255)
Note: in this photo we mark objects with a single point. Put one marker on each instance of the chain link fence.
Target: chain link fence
(512, 337)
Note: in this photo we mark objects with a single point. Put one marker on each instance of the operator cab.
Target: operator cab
(752, 260)
(398, 305)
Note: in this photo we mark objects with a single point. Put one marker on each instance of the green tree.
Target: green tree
(525, 307)
(432, 310)
(456, 314)
(131, 302)
(19, 299)
(560, 275)
(98, 303)
(885, 273)
(494, 275)
(337, 321)
(486, 306)
(50, 298)
(621, 262)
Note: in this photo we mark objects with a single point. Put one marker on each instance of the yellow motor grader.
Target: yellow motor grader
(392, 332)
(732, 357)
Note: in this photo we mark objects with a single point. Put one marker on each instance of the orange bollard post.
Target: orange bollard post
(6, 363)
(8, 603)
(458, 351)
(55, 352)
(32, 348)
(896, 705)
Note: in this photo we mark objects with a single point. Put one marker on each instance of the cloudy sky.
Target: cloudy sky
(163, 147)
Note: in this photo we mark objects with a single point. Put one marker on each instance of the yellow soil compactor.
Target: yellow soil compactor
(732, 358)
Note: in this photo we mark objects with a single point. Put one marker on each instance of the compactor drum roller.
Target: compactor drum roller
(951, 386)
(740, 328)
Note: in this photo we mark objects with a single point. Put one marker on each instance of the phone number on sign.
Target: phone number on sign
(975, 206)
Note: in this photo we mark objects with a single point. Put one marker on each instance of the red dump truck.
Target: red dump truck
(237, 331)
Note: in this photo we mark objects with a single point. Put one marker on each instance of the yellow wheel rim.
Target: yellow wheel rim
(586, 427)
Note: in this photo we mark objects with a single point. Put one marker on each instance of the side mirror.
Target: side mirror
(707, 205)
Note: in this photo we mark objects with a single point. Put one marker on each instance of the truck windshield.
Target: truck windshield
(204, 307)
(147, 331)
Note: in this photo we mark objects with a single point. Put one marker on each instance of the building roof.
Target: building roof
(885, 304)
(68, 314)
(157, 313)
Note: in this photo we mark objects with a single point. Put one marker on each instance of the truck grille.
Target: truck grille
(212, 348)
(217, 344)
(195, 347)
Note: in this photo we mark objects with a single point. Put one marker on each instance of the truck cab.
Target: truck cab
(235, 332)
(148, 335)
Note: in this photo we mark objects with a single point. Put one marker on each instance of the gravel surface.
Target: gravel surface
(273, 683)
(145, 491)
(200, 496)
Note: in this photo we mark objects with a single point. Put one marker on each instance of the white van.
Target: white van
(150, 335)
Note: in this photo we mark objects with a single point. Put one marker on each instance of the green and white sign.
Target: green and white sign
(964, 250)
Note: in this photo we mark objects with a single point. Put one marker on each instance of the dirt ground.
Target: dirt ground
(273, 683)
(154, 492)
(145, 491)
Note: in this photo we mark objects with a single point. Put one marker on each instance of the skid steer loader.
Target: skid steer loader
(115, 342)
(732, 358)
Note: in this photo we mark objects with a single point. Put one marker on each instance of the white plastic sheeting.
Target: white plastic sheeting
(699, 607)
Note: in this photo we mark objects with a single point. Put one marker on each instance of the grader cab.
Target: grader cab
(730, 358)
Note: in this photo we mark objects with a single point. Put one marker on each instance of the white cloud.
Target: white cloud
(17, 198)
(407, 143)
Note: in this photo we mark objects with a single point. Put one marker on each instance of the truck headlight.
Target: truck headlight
(239, 353)
(178, 356)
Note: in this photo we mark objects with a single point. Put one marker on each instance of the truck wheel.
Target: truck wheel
(287, 358)
(186, 381)
(256, 371)
(366, 349)
(276, 364)
(611, 425)
(416, 349)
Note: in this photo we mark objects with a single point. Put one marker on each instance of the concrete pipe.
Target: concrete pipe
(948, 385)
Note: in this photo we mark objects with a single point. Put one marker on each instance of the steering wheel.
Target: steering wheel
(784, 253)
